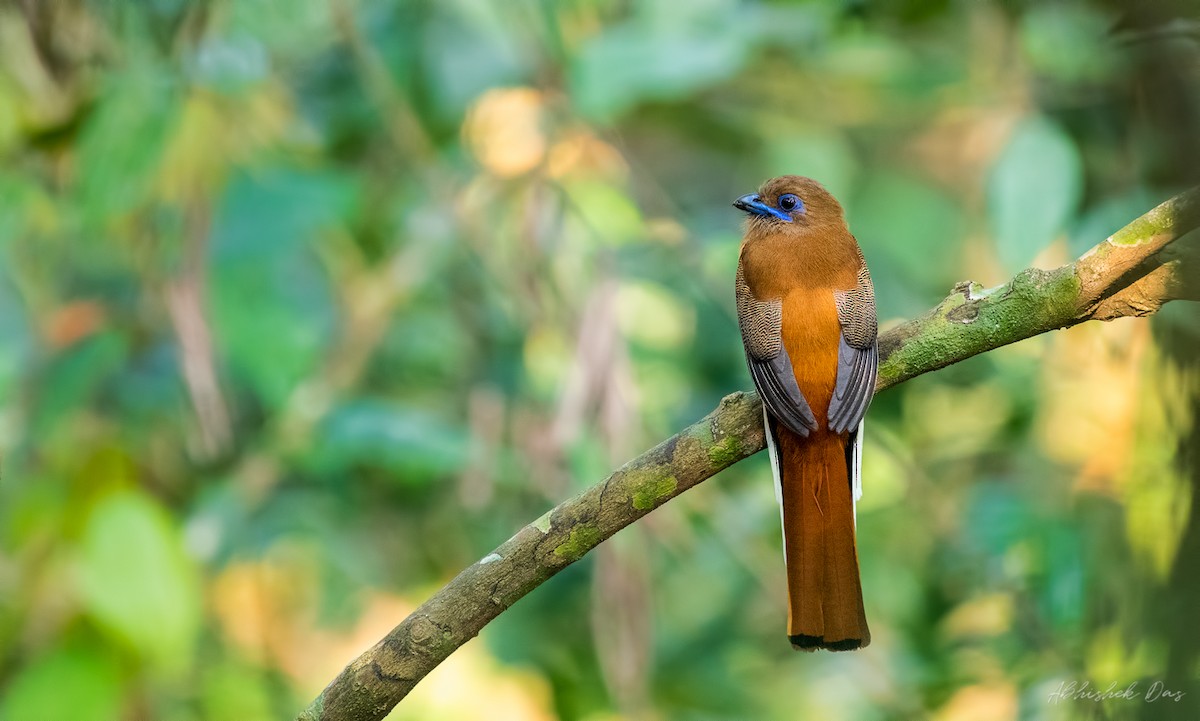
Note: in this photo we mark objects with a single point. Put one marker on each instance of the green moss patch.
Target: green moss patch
(726, 452)
(583, 538)
(648, 493)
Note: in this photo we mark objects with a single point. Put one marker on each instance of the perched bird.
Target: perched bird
(806, 309)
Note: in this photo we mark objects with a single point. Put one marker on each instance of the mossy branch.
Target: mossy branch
(1132, 273)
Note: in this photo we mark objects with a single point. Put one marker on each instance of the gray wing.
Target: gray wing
(858, 354)
(761, 323)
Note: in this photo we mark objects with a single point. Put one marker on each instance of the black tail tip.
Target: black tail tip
(812, 643)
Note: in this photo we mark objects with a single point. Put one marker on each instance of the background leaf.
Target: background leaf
(1033, 190)
(137, 582)
(71, 684)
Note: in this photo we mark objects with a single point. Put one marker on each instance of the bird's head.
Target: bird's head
(789, 204)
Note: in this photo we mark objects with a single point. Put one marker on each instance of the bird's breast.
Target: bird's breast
(804, 277)
(811, 334)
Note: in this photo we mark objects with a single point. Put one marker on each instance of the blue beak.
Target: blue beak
(753, 204)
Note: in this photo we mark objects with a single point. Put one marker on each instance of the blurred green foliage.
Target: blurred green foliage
(304, 306)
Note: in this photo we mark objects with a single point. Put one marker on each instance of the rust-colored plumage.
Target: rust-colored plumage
(807, 315)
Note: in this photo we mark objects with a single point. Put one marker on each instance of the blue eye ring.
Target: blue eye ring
(789, 202)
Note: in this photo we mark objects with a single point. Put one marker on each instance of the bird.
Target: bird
(806, 312)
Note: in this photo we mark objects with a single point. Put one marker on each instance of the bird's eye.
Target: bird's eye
(789, 202)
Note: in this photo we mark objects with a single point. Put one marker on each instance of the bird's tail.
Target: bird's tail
(825, 605)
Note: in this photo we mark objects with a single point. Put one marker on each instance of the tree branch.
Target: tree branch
(1128, 274)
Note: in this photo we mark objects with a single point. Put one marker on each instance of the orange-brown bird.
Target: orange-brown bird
(806, 309)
